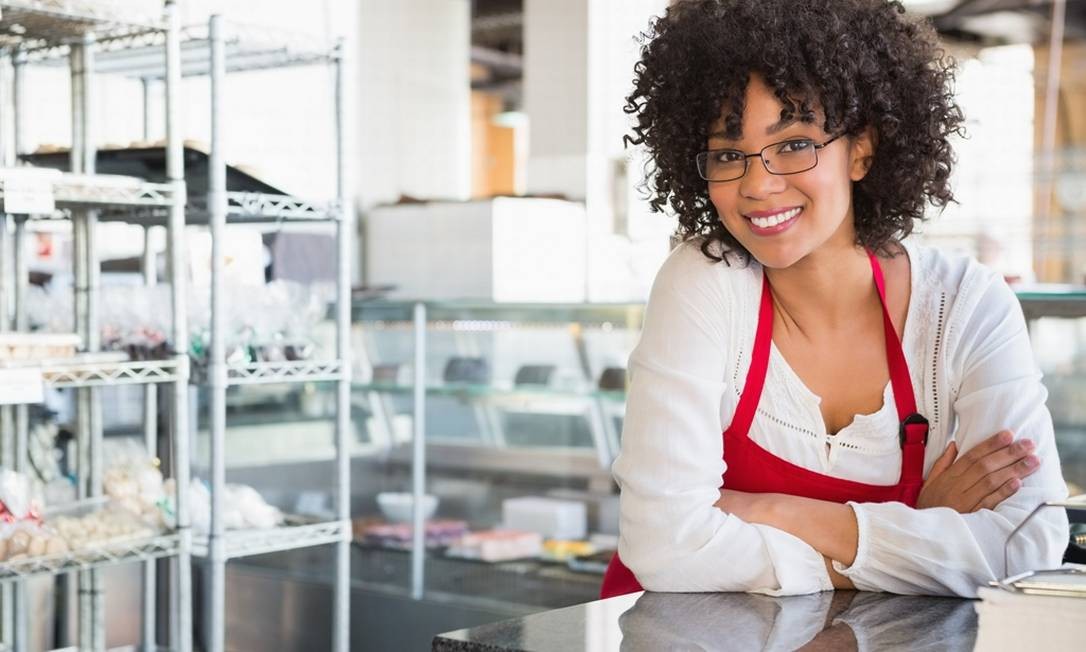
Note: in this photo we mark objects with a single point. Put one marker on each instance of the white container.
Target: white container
(554, 519)
(397, 507)
(502, 249)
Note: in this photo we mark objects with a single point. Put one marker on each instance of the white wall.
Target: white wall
(414, 118)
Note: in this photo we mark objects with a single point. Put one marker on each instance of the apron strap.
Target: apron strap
(759, 364)
(913, 431)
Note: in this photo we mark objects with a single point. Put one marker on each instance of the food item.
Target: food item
(497, 545)
(400, 535)
(135, 485)
(27, 539)
(24, 347)
(101, 527)
(243, 507)
(560, 550)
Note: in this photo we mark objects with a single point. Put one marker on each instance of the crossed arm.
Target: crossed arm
(979, 479)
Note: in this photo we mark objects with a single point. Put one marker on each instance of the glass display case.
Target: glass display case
(521, 409)
(1056, 315)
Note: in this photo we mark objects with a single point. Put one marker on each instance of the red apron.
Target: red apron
(753, 469)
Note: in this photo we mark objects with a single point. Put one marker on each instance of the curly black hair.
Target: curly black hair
(863, 62)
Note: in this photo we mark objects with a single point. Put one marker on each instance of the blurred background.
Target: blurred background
(433, 189)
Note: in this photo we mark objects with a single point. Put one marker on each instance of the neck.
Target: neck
(824, 292)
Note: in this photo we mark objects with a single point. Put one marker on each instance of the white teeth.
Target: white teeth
(774, 220)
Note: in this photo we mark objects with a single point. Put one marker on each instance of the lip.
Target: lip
(775, 229)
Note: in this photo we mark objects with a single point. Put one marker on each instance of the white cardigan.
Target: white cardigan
(974, 373)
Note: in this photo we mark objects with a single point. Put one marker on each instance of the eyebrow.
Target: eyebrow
(779, 126)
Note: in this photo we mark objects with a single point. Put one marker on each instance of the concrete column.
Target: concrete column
(414, 100)
(578, 67)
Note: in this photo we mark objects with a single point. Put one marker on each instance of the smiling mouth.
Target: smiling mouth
(773, 220)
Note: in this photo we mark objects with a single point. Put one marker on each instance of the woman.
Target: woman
(884, 420)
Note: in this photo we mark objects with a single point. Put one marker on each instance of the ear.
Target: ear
(862, 153)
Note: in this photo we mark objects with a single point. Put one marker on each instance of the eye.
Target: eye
(727, 156)
(795, 146)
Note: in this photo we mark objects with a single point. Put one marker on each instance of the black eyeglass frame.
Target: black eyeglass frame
(704, 154)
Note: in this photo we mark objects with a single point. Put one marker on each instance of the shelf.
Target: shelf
(489, 315)
(41, 26)
(247, 48)
(467, 390)
(106, 554)
(102, 191)
(298, 533)
(241, 208)
(264, 373)
(61, 374)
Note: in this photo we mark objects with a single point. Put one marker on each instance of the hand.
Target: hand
(988, 474)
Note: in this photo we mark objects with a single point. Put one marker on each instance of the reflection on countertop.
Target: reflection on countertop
(841, 620)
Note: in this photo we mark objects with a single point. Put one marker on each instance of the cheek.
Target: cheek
(723, 199)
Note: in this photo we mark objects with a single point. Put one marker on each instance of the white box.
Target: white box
(518, 249)
(554, 519)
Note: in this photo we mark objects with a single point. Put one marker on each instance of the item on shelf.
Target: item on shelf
(398, 507)
(105, 526)
(497, 545)
(553, 518)
(534, 374)
(613, 379)
(243, 507)
(25, 347)
(28, 539)
(266, 323)
(595, 563)
(400, 535)
(563, 550)
(467, 370)
(135, 485)
(18, 501)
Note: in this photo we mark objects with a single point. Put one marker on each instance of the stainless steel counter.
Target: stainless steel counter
(842, 620)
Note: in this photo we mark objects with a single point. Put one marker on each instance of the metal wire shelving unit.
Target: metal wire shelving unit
(75, 33)
(226, 44)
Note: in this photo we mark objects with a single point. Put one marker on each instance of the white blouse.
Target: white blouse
(974, 373)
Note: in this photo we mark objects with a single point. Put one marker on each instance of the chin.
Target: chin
(775, 256)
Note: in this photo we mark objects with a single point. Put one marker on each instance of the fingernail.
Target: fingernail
(1031, 461)
(1006, 437)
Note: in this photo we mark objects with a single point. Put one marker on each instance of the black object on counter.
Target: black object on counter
(467, 370)
(613, 379)
(534, 374)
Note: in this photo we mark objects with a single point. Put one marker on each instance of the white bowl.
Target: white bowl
(397, 507)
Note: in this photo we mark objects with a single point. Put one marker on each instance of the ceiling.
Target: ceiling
(498, 39)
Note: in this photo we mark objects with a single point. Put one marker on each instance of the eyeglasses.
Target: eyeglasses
(786, 157)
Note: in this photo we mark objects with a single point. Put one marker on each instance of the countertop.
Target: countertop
(841, 620)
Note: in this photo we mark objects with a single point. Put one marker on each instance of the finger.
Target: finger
(1005, 491)
(944, 461)
(1000, 459)
(992, 482)
(995, 442)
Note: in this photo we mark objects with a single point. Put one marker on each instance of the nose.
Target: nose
(758, 182)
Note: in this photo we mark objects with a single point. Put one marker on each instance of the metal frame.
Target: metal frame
(222, 207)
(80, 197)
